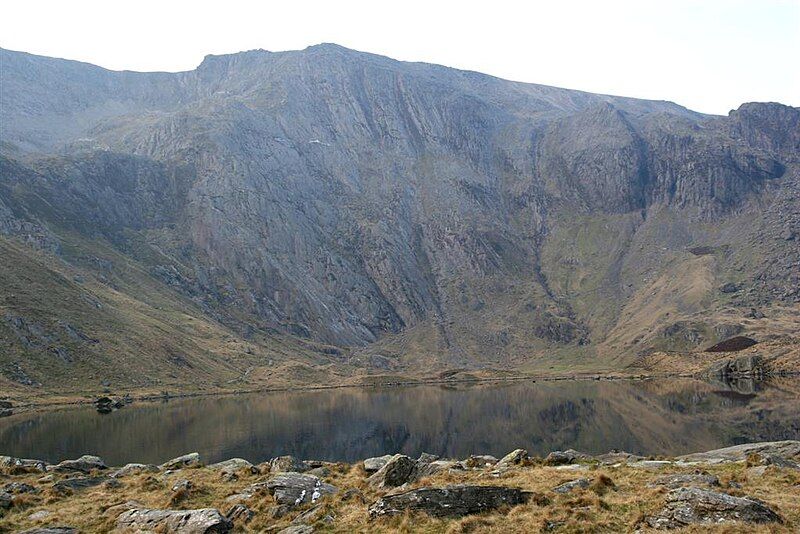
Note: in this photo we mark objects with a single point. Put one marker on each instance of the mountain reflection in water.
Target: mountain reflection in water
(667, 417)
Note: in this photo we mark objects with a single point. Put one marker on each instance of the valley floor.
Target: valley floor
(746, 488)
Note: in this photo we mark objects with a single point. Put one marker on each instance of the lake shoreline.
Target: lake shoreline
(55, 401)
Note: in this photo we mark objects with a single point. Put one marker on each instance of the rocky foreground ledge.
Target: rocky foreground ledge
(747, 488)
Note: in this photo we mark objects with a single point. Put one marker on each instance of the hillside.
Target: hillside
(315, 215)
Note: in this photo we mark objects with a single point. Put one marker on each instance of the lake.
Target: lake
(651, 417)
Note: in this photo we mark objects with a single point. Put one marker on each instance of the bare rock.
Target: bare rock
(50, 530)
(572, 485)
(187, 460)
(133, 469)
(786, 449)
(395, 472)
(15, 488)
(373, 464)
(287, 464)
(568, 456)
(203, 521)
(240, 513)
(690, 506)
(450, 501)
(84, 464)
(685, 480)
(69, 485)
(23, 464)
(297, 488)
(297, 529)
(234, 464)
(514, 457)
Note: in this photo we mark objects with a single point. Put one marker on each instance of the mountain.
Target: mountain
(330, 213)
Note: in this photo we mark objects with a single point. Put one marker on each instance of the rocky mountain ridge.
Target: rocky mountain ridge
(393, 216)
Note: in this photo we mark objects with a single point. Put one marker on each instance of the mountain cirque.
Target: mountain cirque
(314, 216)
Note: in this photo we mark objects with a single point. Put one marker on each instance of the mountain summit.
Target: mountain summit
(288, 215)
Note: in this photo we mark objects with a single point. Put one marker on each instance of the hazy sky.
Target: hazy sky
(707, 55)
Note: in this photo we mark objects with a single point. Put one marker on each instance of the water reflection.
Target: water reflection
(652, 417)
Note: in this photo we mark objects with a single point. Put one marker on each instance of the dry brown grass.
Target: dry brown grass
(617, 500)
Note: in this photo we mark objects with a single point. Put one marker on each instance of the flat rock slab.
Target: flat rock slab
(297, 488)
(685, 480)
(84, 464)
(691, 506)
(450, 501)
(786, 449)
(203, 521)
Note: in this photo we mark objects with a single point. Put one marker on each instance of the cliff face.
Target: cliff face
(412, 213)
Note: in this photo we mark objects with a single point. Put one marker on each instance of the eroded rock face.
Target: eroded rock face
(690, 506)
(202, 521)
(451, 501)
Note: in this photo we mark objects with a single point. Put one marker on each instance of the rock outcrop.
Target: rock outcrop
(451, 501)
(693, 506)
(203, 521)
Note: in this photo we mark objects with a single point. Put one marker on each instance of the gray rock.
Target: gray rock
(431, 468)
(41, 514)
(287, 464)
(514, 457)
(297, 529)
(24, 464)
(568, 487)
(395, 472)
(296, 488)
(6, 500)
(786, 449)
(240, 513)
(202, 521)
(84, 464)
(450, 501)
(133, 469)
(568, 456)
(182, 485)
(187, 460)
(480, 460)
(373, 464)
(689, 506)
(234, 464)
(69, 485)
(685, 480)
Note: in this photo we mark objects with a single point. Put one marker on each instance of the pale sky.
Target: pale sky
(707, 55)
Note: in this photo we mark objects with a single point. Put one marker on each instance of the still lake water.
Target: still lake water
(646, 417)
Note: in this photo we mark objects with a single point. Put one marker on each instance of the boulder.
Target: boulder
(203, 521)
(84, 464)
(691, 506)
(23, 464)
(568, 456)
(187, 460)
(297, 488)
(514, 457)
(133, 469)
(450, 501)
(69, 485)
(431, 468)
(395, 472)
(6, 500)
(617, 457)
(736, 453)
(373, 464)
(234, 464)
(685, 480)
(568, 487)
(297, 529)
(287, 464)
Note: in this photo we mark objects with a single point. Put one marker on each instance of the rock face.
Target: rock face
(689, 506)
(203, 521)
(452, 501)
(346, 198)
